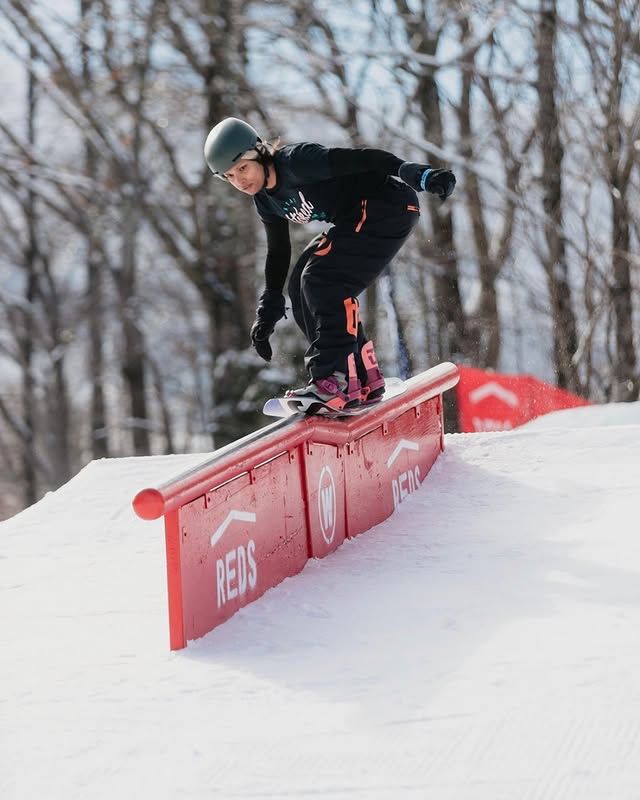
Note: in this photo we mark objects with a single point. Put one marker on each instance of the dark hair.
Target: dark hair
(267, 150)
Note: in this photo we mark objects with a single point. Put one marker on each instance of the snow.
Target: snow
(484, 642)
(589, 416)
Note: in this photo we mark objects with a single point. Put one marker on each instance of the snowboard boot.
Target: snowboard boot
(336, 391)
(332, 391)
(371, 378)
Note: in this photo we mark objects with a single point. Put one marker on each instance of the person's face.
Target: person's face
(246, 175)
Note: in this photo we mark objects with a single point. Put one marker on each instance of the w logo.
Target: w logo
(327, 505)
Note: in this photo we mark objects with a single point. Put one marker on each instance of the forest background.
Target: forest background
(129, 275)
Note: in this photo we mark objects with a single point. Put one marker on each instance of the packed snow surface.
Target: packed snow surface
(483, 643)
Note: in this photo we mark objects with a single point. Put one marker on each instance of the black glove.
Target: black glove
(422, 177)
(270, 310)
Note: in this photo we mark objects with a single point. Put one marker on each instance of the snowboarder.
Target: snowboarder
(370, 198)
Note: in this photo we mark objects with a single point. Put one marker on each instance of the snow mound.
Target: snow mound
(589, 417)
(482, 642)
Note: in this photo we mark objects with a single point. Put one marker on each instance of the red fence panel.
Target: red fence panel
(490, 401)
(261, 507)
(324, 469)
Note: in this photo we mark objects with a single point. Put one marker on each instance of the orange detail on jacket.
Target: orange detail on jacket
(413, 208)
(363, 204)
(322, 251)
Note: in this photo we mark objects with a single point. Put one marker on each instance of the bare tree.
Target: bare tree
(492, 240)
(161, 262)
(25, 341)
(609, 33)
(131, 89)
(209, 36)
(424, 29)
(37, 324)
(565, 337)
(95, 266)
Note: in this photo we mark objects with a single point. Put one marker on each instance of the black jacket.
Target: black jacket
(315, 183)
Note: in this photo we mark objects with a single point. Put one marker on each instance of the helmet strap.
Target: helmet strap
(265, 167)
(264, 159)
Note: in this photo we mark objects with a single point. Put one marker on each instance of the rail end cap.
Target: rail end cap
(149, 504)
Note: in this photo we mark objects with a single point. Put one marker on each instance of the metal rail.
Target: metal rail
(266, 443)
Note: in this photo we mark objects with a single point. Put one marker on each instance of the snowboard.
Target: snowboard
(287, 407)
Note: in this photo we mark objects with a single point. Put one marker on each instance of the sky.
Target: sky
(483, 642)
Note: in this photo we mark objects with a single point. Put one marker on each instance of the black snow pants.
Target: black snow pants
(337, 266)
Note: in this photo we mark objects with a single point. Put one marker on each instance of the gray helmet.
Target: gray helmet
(227, 142)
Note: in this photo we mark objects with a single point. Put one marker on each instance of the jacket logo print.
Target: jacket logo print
(302, 214)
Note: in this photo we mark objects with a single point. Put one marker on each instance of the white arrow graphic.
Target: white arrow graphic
(493, 389)
(240, 516)
(403, 444)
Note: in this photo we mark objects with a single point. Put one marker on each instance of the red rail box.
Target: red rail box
(261, 507)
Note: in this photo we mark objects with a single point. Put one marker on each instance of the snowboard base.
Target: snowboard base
(288, 407)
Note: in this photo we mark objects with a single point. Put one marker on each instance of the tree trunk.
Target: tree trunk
(30, 482)
(26, 342)
(405, 362)
(483, 326)
(565, 338)
(165, 415)
(58, 398)
(626, 384)
(626, 381)
(449, 310)
(450, 314)
(99, 438)
(98, 414)
(227, 249)
(133, 360)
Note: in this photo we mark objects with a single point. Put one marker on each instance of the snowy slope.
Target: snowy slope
(589, 417)
(483, 643)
